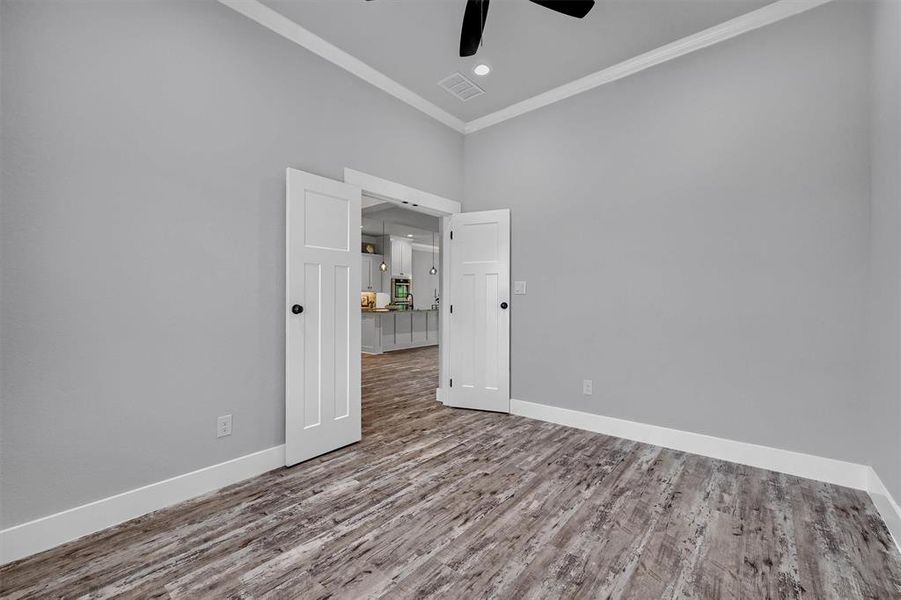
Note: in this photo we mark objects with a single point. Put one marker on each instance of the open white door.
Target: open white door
(322, 328)
(479, 299)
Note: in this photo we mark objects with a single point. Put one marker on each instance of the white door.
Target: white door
(479, 328)
(322, 329)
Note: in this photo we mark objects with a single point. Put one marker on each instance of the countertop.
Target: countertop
(391, 312)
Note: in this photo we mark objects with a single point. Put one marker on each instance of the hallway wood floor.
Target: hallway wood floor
(436, 502)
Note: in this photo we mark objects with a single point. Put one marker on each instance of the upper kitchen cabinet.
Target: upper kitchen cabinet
(401, 257)
(371, 277)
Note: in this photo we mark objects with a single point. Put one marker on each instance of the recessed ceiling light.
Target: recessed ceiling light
(409, 235)
(481, 69)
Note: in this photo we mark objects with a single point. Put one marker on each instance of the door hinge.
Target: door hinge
(452, 308)
(452, 234)
(452, 382)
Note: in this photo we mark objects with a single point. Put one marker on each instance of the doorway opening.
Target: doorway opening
(399, 310)
(400, 287)
(421, 214)
(464, 266)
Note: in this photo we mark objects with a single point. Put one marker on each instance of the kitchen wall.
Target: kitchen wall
(144, 151)
(695, 239)
(884, 428)
(425, 285)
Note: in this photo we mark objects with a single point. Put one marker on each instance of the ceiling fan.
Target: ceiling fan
(477, 11)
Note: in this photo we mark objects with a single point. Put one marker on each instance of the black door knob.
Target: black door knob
(504, 305)
(297, 309)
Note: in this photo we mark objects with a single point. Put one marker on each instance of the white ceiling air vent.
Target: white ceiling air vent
(461, 87)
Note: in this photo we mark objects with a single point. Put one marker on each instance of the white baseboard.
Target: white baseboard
(784, 461)
(828, 470)
(50, 531)
(47, 532)
(885, 503)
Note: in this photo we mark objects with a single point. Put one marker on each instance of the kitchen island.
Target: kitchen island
(384, 331)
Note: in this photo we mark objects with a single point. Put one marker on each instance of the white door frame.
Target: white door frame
(376, 190)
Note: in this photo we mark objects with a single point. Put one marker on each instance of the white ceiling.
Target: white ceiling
(529, 48)
(416, 227)
(373, 227)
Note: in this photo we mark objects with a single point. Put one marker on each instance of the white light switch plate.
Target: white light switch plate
(586, 387)
(519, 288)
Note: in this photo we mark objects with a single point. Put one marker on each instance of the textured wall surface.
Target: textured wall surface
(144, 155)
(884, 432)
(695, 238)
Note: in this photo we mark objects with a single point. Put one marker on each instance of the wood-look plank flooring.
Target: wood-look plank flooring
(437, 502)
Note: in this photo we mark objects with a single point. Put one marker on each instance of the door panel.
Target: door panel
(479, 327)
(403, 323)
(433, 325)
(420, 327)
(312, 319)
(492, 331)
(342, 342)
(389, 334)
(322, 341)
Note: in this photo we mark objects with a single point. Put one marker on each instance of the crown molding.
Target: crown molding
(771, 13)
(285, 27)
(767, 15)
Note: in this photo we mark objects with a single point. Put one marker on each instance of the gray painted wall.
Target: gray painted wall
(425, 285)
(695, 238)
(144, 152)
(884, 434)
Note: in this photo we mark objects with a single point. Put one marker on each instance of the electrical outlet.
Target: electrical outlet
(586, 387)
(519, 288)
(224, 426)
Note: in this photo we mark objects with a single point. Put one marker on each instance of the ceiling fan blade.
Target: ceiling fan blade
(473, 24)
(570, 8)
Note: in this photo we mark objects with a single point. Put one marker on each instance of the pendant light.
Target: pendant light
(384, 266)
(433, 270)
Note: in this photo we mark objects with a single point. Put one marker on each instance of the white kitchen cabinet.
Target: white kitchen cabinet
(366, 273)
(399, 330)
(432, 326)
(394, 257)
(387, 331)
(371, 334)
(371, 279)
(403, 329)
(407, 259)
(420, 327)
(401, 257)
